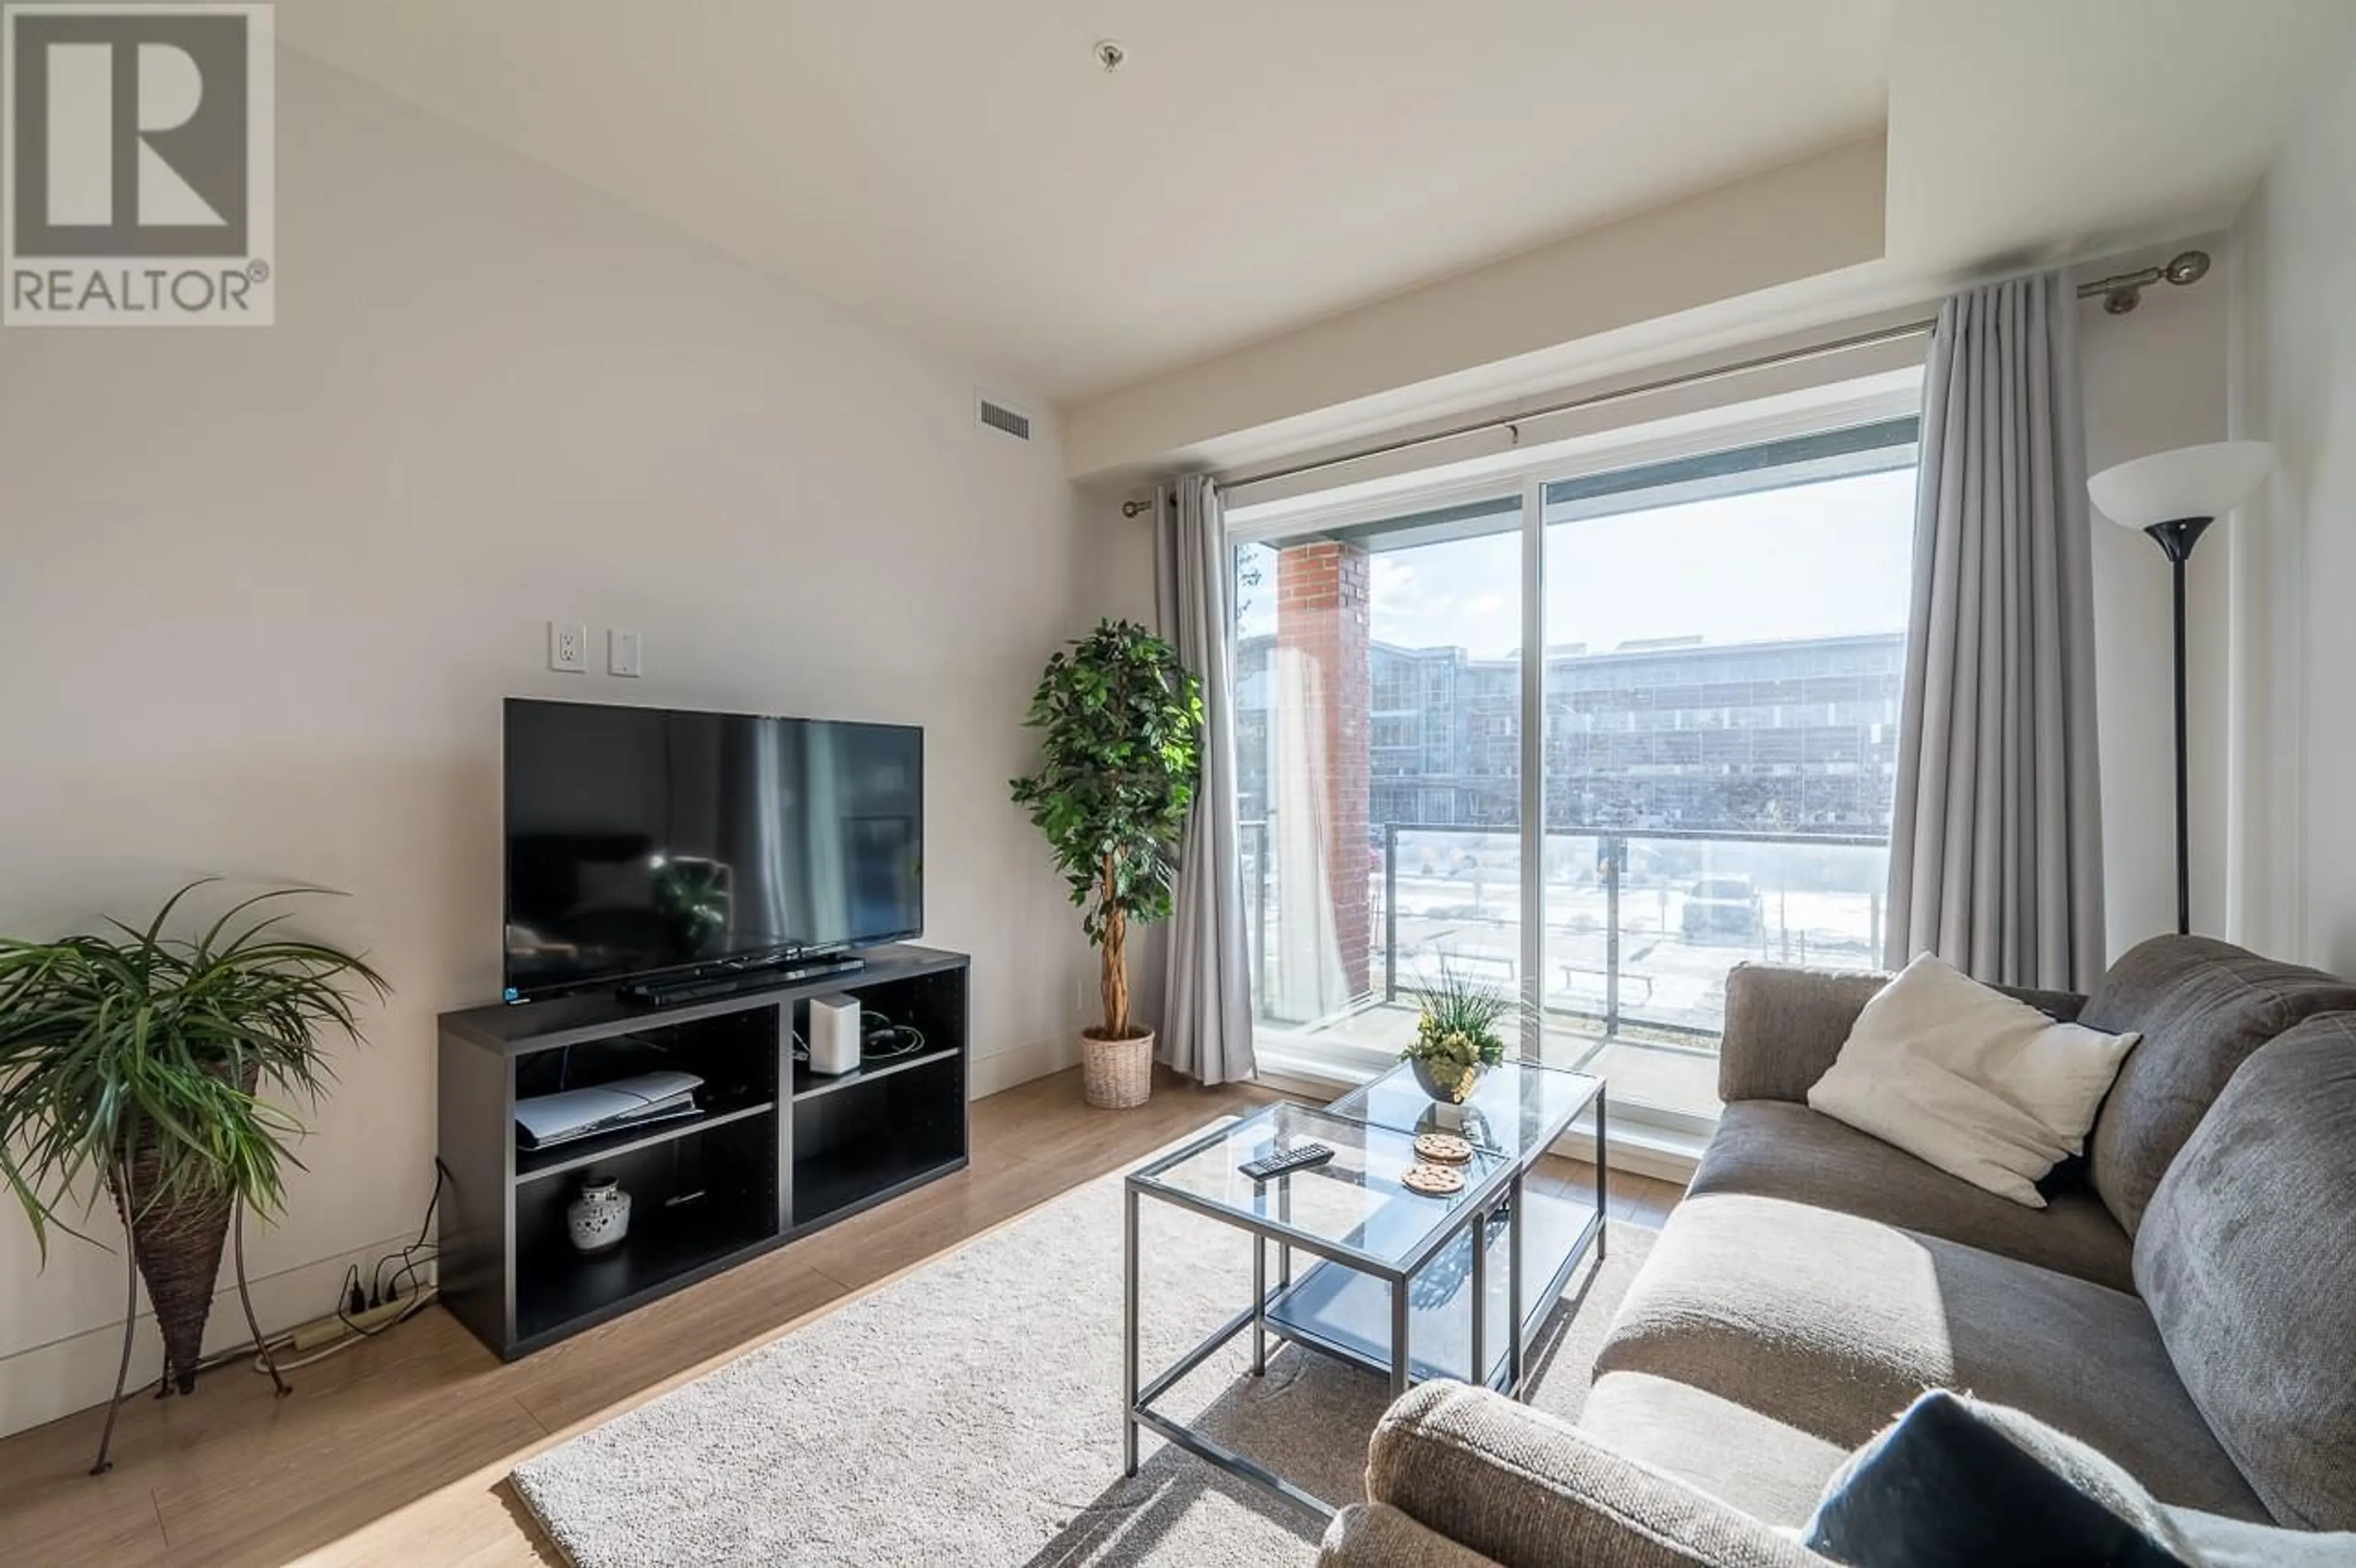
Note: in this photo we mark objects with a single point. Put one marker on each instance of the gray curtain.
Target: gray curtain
(1996, 843)
(1207, 1017)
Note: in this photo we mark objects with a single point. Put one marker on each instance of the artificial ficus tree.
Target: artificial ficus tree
(1120, 724)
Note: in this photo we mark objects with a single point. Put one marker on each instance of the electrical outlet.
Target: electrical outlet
(624, 654)
(568, 646)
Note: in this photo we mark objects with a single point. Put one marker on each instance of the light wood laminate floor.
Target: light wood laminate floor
(397, 1451)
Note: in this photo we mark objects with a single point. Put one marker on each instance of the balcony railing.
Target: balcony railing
(1642, 925)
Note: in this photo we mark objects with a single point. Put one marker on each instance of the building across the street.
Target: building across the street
(1791, 736)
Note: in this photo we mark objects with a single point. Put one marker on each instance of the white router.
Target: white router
(834, 1034)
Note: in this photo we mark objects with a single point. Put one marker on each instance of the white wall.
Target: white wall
(2294, 611)
(2155, 379)
(1483, 334)
(261, 592)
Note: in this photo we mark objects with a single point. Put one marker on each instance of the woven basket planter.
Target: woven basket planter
(1117, 1074)
(177, 1241)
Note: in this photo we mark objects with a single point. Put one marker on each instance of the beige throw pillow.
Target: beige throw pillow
(1968, 1079)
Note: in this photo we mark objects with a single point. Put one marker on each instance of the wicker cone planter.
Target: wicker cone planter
(1115, 1075)
(176, 1242)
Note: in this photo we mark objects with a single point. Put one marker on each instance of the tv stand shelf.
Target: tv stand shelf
(777, 1153)
(538, 1165)
(808, 1084)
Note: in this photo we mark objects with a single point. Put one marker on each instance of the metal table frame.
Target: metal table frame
(1501, 1190)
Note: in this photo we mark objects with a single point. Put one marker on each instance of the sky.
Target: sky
(1817, 560)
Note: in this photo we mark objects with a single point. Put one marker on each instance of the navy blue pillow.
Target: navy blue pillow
(1957, 1484)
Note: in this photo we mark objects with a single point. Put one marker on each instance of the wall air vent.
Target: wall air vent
(998, 417)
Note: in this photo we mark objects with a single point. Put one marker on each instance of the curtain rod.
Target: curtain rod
(1594, 399)
(2119, 294)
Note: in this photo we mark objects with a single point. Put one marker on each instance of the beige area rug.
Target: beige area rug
(966, 1415)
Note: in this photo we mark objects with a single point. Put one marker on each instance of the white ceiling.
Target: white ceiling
(2042, 130)
(963, 172)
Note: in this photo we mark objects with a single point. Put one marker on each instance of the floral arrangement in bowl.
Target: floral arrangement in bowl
(1456, 1035)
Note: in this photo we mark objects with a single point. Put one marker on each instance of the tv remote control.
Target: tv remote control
(1284, 1163)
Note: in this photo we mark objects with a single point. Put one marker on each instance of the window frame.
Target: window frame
(1475, 491)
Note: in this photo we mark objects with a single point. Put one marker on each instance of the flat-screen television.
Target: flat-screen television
(645, 843)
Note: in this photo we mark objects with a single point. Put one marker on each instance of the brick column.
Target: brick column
(1322, 628)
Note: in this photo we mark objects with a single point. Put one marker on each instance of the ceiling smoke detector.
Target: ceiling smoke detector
(1109, 54)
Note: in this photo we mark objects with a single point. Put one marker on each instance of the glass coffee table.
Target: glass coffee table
(1394, 1273)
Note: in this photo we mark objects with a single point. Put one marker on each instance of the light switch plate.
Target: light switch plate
(568, 646)
(624, 654)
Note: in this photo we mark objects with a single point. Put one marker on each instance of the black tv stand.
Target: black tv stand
(737, 983)
(776, 1151)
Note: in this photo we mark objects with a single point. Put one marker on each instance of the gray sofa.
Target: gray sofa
(2187, 1303)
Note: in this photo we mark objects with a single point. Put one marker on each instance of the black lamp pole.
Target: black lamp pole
(2176, 542)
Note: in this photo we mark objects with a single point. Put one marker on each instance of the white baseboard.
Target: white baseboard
(988, 1075)
(1307, 1088)
(1640, 1150)
(45, 1381)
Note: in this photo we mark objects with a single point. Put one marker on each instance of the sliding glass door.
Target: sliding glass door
(1598, 783)
(1725, 646)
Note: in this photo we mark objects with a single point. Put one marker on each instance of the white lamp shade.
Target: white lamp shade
(2189, 482)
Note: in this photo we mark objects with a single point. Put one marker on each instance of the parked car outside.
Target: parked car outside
(1723, 909)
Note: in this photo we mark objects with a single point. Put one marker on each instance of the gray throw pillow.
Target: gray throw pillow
(1955, 1483)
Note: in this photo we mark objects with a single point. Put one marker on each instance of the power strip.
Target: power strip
(327, 1330)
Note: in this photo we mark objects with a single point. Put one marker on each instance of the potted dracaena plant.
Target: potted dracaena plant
(140, 1059)
(1120, 724)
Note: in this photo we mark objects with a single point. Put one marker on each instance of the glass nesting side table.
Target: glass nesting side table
(1407, 1285)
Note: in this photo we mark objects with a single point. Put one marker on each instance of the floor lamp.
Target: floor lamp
(2174, 496)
